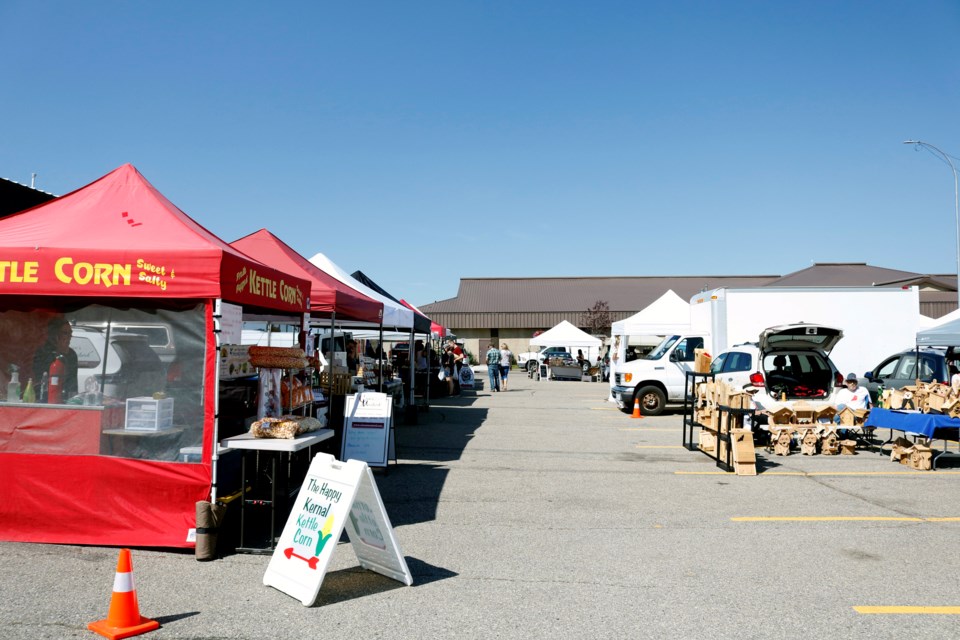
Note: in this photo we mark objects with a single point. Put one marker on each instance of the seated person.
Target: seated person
(853, 395)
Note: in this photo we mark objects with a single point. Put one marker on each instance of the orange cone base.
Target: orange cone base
(104, 628)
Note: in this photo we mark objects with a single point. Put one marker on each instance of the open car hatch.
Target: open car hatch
(800, 336)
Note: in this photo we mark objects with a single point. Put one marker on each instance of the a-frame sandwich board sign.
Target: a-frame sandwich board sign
(334, 495)
(368, 428)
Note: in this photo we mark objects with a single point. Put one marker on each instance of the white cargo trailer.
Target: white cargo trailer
(875, 321)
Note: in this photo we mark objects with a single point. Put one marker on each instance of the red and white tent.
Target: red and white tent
(111, 245)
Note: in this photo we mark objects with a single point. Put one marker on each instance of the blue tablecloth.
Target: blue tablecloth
(931, 425)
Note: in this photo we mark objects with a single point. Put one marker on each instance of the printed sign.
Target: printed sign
(466, 377)
(334, 495)
(367, 428)
(235, 361)
(230, 322)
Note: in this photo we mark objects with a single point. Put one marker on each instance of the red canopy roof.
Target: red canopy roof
(327, 294)
(438, 329)
(120, 237)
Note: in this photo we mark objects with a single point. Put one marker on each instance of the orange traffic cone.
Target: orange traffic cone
(636, 409)
(124, 619)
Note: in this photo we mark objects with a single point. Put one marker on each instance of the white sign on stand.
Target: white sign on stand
(334, 495)
(368, 428)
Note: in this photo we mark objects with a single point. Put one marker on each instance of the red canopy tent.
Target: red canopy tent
(114, 244)
(438, 329)
(327, 294)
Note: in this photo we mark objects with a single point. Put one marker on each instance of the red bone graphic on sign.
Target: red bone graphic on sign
(310, 561)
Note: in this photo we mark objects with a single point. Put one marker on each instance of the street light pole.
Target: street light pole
(956, 197)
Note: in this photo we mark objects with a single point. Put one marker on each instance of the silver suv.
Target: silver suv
(789, 363)
(132, 367)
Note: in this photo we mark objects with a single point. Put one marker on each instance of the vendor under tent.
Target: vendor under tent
(421, 325)
(567, 335)
(123, 457)
(332, 303)
(395, 315)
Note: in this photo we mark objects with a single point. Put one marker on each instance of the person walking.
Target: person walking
(493, 367)
(506, 356)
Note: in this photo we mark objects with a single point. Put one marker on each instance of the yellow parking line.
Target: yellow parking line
(825, 519)
(647, 429)
(930, 474)
(658, 446)
(950, 611)
(604, 409)
(703, 473)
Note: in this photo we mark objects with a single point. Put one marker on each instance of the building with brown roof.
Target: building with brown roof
(511, 310)
(15, 197)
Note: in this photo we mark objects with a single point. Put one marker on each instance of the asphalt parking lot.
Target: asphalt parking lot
(544, 512)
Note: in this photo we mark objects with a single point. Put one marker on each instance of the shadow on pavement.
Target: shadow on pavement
(349, 584)
(411, 492)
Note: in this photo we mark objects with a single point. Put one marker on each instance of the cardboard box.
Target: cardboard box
(701, 361)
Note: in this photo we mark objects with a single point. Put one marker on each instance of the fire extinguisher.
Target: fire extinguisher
(55, 384)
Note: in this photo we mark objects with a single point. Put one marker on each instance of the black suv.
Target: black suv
(900, 370)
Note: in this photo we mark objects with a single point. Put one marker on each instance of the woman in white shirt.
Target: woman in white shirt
(505, 356)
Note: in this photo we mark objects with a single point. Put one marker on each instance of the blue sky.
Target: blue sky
(423, 142)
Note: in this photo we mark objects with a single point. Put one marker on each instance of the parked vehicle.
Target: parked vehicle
(872, 319)
(132, 368)
(159, 335)
(530, 360)
(900, 370)
(789, 363)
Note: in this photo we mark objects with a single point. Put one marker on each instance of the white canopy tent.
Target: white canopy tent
(395, 315)
(668, 314)
(567, 335)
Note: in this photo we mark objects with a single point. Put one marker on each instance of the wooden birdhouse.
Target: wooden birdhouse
(848, 447)
(808, 446)
(830, 443)
(782, 415)
(952, 408)
(847, 417)
(921, 457)
(826, 415)
(782, 445)
(803, 412)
